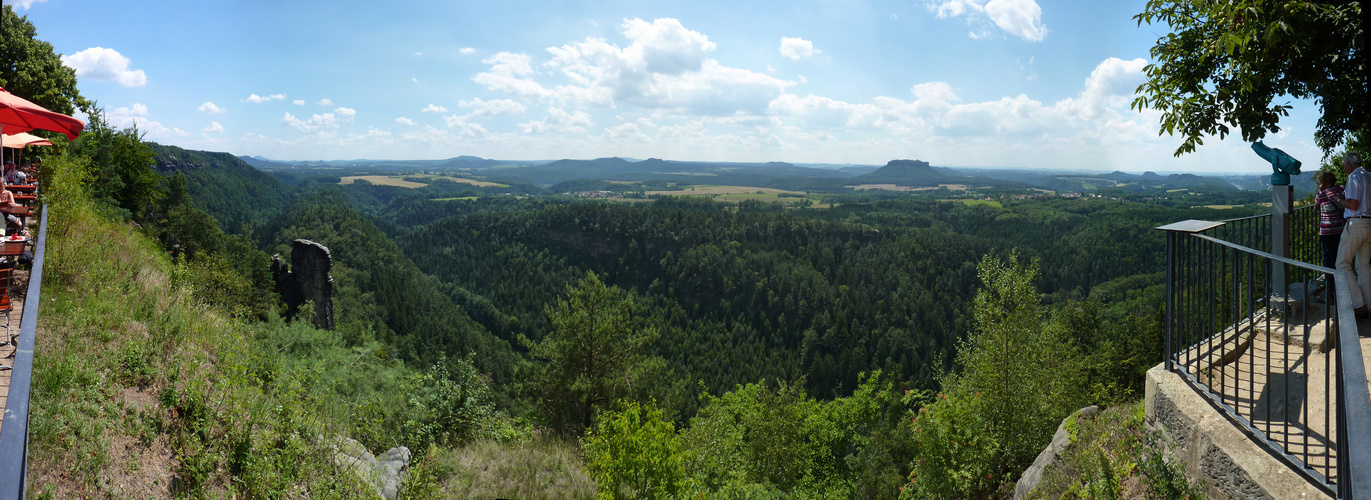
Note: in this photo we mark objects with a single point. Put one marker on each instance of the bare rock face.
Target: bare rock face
(386, 473)
(1060, 442)
(306, 279)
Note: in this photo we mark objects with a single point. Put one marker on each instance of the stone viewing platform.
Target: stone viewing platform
(1224, 455)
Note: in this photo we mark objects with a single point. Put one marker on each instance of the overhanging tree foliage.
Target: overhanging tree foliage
(29, 67)
(1225, 64)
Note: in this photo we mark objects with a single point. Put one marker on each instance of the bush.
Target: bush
(634, 453)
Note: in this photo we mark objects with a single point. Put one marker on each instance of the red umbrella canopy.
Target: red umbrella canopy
(19, 115)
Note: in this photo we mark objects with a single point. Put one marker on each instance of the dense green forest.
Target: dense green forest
(766, 349)
(839, 349)
(704, 315)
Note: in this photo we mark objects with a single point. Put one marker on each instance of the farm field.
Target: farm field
(893, 187)
(721, 190)
(972, 201)
(398, 180)
(382, 180)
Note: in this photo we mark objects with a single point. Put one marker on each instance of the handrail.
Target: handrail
(14, 436)
(1219, 293)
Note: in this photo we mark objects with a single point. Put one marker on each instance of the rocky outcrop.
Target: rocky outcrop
(386, 473)
(1060, 442)
(307, 279)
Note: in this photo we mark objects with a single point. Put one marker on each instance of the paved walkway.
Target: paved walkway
(1280, 381)
(21, 280)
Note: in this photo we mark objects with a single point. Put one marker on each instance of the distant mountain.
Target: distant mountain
(470, 162)
(905, 172)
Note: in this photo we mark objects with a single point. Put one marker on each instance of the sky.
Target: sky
(962, 83)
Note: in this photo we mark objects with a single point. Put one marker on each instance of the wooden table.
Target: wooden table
(19, 211)
(25, 199)
(22, 188)
(12, 248)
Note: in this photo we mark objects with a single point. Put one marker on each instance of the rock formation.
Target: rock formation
(386, 473)
(307, 279)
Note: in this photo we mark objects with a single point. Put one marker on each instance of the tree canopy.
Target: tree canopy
(1225, 64)
(29, 67)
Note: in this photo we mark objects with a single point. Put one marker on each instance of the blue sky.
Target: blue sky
(997, 83)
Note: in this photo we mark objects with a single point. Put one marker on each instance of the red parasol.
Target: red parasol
(19, 115)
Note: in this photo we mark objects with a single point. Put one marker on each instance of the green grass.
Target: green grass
(143, 388)
(538, 468)
(1112, 455)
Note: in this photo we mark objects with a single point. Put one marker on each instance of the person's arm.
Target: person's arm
(1351, 203)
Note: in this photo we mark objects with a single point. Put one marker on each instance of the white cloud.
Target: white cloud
(136, 110)
(466, 51)
(257, 99)
(209, 107)
(512, 74)
(325, 102)
(665, 66)
(464, 128)
(825, 112)
(433, 108)
(404, 121)
(214, 127)
(797, 48)
(136, 115)
(25, 4)
(105, 65)
(559, 121)
(298, 102)
(492, 107)
(1021, 18)
(318, 123)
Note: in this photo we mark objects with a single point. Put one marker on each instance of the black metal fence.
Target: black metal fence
(1272, 344)
(14, 435)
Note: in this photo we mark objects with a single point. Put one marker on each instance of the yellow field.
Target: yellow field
(460, 180)
(719, 190)
(398, 180)
(972, 201)
(382, 180)
(892, 187)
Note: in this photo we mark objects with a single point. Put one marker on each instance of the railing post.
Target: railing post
(1282, 203)
(1174, 232)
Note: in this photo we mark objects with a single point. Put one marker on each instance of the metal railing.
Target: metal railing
(14, 435)
(1279, 357)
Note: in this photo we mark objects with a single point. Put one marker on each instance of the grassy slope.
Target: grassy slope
(143, 391)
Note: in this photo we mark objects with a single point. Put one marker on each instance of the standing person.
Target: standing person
(1329, 200)
(1356, 235)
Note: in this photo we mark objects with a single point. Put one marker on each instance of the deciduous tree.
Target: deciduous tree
(29, 67)
(1226, 63)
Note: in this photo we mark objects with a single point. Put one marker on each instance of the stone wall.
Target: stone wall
(1216, 451)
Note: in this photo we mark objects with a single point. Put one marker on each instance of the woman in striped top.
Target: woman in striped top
(1329, 199)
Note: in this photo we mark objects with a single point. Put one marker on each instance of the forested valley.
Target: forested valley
(676, 347)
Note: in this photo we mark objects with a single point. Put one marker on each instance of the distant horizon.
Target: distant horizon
(798, 164)
(1032, 83)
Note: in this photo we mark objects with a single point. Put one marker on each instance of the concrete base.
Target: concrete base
(1216, 451)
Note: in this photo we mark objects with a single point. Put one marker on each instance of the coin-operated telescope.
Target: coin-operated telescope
(1282, 165)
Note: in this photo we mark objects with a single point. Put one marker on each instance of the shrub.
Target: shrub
(634, 453)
